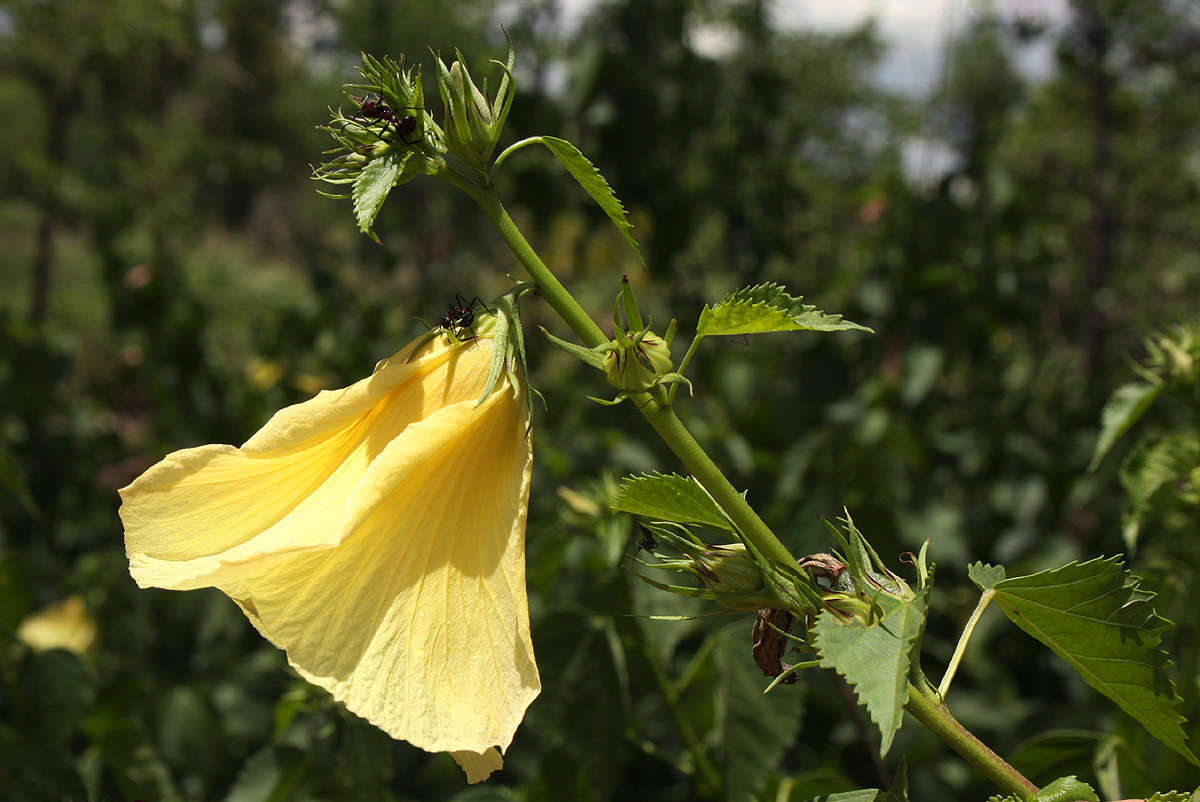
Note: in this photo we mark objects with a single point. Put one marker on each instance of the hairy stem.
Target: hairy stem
(925, 708)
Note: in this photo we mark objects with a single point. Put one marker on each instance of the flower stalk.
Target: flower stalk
(658, 414)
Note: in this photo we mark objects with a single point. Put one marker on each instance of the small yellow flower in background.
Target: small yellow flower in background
(64, 625)
(377, 534)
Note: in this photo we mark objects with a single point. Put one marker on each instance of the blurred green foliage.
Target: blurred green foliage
(170, 278)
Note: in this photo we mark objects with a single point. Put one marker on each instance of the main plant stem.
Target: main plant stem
(927, 709)
(923, 704)
(661, 418)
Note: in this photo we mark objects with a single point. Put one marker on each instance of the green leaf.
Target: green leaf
(753, 730)
(875, 659)
(1055, 753)
(897, 793)
(1094, 616)
(1172, 796)
(372, 186)
(763, 308)
(1123, 409)
(984, 575)
(1066, 789)
(594, 184)
(865, 795)
(1151, 467)
(1158, 464)
(669, 498)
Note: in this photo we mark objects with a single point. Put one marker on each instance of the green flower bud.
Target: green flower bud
(733, 576)
(473, 122)
(636, 362)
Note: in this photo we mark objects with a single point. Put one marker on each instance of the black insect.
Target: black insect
(461, 316)
(371, 108)
(647, 541)
(376, 110)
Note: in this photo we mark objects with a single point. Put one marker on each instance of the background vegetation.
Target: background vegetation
(169, 278)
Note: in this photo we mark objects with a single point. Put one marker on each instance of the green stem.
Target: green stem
(550, 287)
(661, 417)
(670, 694)
(924, 705)
(666, 423)
(926, 708)
(985, 598)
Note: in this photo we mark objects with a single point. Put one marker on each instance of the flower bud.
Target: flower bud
(473, 122)
(637, 362)
(734, 577)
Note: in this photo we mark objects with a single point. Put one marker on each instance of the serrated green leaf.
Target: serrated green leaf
(875, 659)
(1151, 467)
(1171, 796)
(753, 730)
(1055, 753)
(764, 308)
(1094, 616)
(1066, 789)
(372, 186)
(668, 497)
(1159, 463)
(594, 184)
(985, 576)
(1128, 403)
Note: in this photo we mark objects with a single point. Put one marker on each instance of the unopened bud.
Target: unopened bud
(637, 362)
(733, 576)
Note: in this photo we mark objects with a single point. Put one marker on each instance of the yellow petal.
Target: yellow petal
(65, 625)
(377, 534)
(477, 766)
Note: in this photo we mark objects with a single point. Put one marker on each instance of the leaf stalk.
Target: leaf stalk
(984, 600)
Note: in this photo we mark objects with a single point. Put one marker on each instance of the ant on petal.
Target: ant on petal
(461, 316)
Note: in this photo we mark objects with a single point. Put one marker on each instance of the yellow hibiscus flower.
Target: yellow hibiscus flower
(377, 534)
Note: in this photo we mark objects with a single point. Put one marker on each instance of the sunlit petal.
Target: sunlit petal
(376, 534)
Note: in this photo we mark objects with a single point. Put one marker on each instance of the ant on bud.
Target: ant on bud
(372, 110)
(461, 316)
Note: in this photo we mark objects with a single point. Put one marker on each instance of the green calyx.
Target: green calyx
(636, 361)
